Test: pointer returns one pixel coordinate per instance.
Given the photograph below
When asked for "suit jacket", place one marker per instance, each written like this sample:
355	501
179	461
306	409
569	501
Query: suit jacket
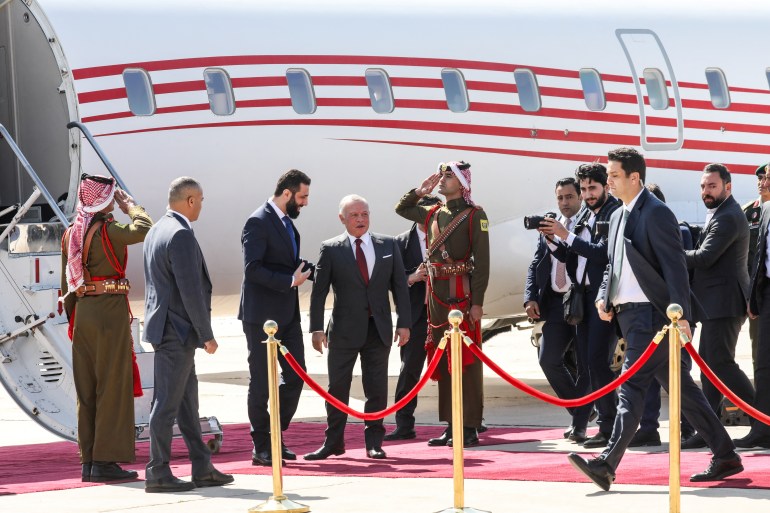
409	245
653	245
721	277
538	273
759	276
269	264
178	288
353	300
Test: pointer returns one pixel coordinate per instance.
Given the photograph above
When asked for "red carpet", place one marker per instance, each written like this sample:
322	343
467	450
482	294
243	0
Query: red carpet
54	466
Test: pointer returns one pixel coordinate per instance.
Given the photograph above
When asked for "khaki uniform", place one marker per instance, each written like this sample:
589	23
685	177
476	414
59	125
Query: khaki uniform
466	242
753	209
102	349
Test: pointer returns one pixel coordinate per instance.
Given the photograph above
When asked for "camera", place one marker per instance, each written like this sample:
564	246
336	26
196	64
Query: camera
533	222
602	228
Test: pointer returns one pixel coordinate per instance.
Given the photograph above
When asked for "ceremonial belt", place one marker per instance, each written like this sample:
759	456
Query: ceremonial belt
105	286
439	270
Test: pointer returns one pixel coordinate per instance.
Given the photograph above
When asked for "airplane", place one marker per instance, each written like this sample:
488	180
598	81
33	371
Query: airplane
365	98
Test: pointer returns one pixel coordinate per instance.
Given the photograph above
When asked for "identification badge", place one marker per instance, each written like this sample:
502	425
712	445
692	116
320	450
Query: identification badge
484	225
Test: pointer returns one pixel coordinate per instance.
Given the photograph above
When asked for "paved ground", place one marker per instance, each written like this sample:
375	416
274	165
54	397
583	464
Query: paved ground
223	378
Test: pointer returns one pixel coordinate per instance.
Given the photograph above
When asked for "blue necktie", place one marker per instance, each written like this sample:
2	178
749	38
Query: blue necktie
290	230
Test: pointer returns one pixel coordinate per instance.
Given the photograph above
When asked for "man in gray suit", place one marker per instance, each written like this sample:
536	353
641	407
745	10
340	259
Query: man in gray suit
361	267
177	320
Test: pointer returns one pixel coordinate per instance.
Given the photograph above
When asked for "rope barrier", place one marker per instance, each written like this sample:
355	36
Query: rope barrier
568	403
355	413
737	401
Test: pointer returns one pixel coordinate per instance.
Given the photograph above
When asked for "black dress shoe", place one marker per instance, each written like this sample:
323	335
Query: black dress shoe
483	427
261	458
719	469
597	470
323	453
167	485
578	436
442	440
287	453
376	453
400	433
212	478
470	438
596	441
752	440
696	441
85	473
645	439
101	472
568	431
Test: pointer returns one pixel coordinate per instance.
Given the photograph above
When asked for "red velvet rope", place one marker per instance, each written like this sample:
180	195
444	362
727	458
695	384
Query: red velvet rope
737	401
567	403
376	415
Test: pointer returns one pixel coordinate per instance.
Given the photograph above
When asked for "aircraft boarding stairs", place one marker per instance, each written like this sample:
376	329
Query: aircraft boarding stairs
35	350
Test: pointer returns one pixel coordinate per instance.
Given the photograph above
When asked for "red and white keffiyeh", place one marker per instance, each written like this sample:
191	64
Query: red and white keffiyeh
462	171
95	194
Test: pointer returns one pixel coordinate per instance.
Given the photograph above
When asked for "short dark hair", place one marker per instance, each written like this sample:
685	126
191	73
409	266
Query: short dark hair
291	180
568	181
655	189
596	172
630	160
724	173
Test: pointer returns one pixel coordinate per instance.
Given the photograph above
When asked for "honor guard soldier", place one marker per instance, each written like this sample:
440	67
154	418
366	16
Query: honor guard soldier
458	265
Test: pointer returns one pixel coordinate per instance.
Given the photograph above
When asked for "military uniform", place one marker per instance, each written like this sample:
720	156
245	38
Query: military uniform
102	347
753	209
469	241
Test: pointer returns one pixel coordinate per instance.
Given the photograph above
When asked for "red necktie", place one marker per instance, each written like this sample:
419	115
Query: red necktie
361	261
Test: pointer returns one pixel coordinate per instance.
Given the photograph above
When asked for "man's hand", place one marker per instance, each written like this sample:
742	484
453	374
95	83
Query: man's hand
299	276
684	325
428	184
532	309
475	315
124	201
550	226
319	341
210	346
605	316
751	314
421	274
401	336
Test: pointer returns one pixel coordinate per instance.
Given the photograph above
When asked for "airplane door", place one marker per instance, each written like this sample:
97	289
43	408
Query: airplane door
657	91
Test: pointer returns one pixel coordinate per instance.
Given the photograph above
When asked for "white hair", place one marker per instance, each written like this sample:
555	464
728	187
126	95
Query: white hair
352	198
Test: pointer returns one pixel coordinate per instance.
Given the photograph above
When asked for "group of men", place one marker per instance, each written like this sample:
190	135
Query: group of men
621	246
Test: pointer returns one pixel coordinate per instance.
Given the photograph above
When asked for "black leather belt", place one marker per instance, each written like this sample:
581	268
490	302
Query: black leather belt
628	306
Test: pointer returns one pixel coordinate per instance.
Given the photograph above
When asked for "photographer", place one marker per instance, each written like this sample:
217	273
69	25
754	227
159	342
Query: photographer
547	282
587	245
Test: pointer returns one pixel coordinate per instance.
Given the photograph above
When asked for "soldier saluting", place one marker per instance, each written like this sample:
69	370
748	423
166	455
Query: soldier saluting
458	266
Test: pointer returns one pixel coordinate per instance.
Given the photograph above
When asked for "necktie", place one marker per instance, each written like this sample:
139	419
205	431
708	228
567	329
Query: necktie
561	267
617	263
361	261
290	231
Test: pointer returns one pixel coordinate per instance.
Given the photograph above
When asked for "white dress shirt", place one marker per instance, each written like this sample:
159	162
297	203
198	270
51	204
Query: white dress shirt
367	247
555	261
423	243
585	234
629	290
189	224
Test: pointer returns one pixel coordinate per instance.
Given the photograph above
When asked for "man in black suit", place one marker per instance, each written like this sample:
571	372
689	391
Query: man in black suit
547	281
721	284
584	249
647	272
413	248
177	320
361	267
273	270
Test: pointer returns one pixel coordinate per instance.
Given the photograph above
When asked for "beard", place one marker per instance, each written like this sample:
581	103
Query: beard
712	202
292	209
600	201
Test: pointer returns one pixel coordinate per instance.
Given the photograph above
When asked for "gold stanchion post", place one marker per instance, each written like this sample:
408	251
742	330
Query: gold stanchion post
674	313
278	501
456	347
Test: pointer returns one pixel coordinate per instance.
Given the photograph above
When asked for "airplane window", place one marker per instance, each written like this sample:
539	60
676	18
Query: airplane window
593	89
455	91
529	92
380	93
720	93
656	88
141	99
220	91
767	74
301	91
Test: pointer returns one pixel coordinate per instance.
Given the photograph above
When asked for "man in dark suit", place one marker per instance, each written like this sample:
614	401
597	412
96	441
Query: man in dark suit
721	284
361	267
177	320
547	282
413	248
584	249
272	272
647	272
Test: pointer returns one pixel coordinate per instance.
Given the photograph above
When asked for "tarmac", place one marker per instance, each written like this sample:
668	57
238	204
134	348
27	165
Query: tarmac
223	381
